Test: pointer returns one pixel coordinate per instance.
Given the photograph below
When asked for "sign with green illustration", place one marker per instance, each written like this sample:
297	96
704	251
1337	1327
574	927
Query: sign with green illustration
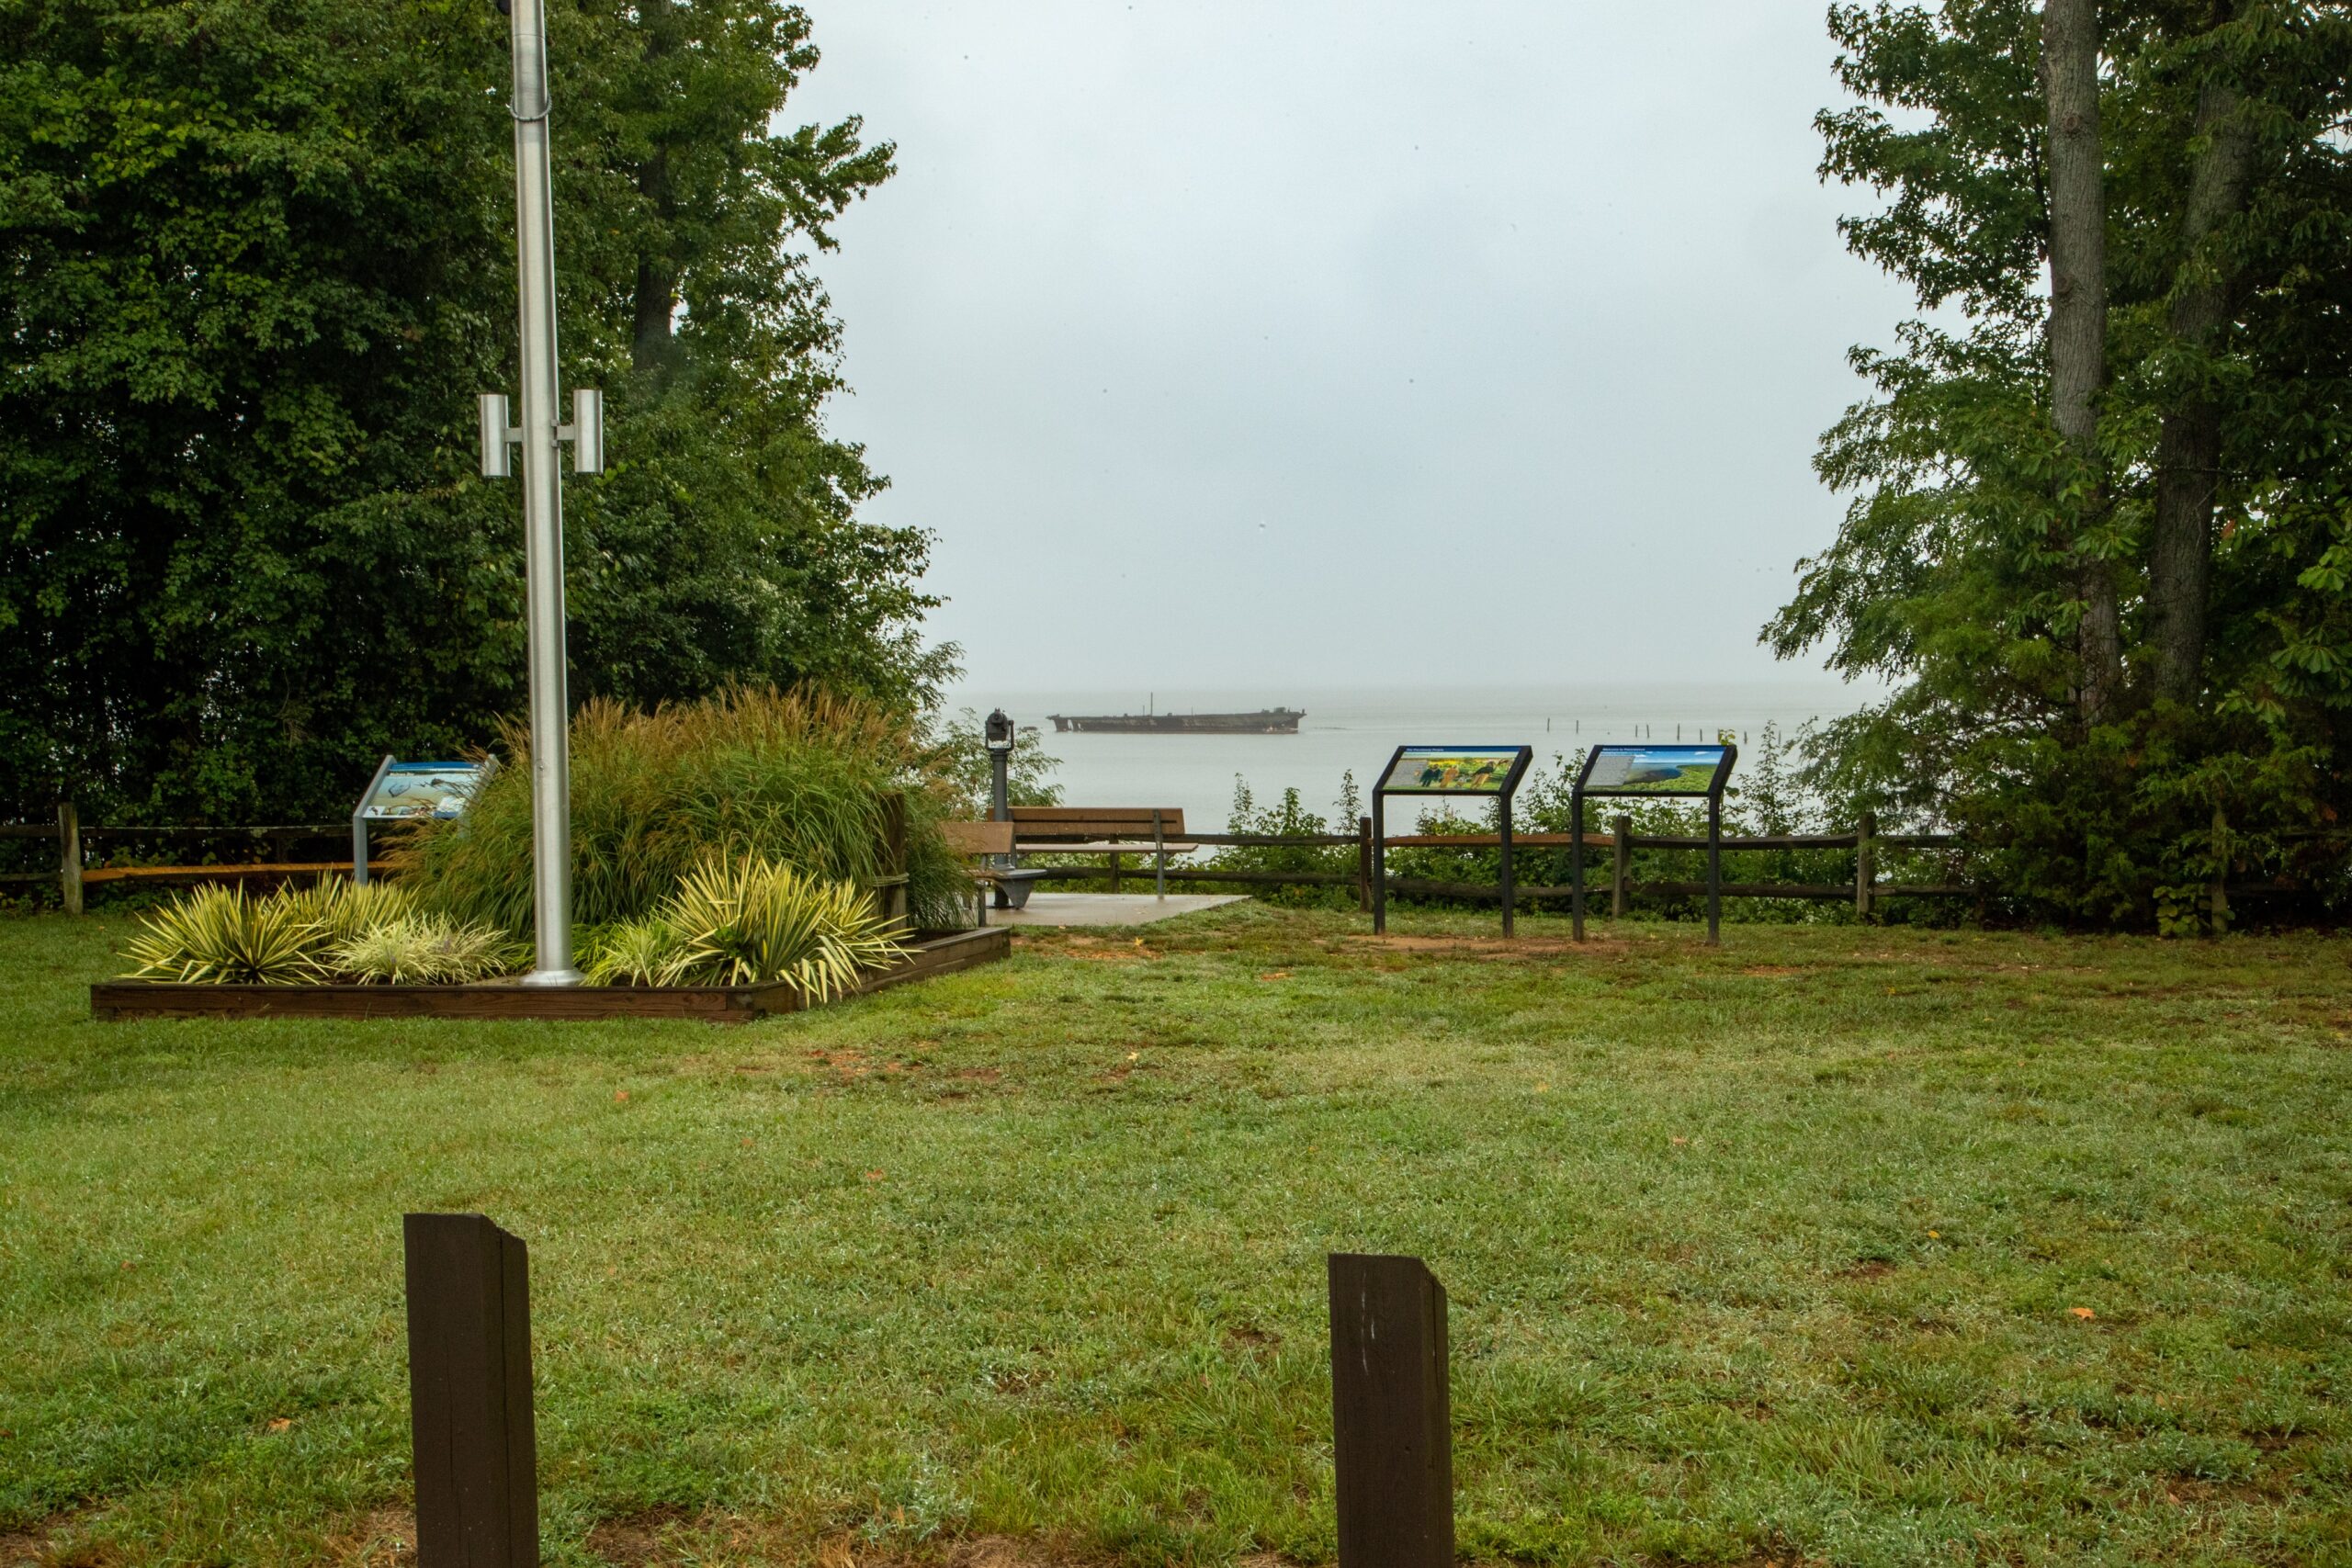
1453	770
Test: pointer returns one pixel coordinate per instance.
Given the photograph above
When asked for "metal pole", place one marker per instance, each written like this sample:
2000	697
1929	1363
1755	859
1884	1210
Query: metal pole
542	508
1379	866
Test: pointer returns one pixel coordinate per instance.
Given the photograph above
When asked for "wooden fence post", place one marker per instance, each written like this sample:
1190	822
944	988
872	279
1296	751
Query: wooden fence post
469	1394
1363	864
1865	863
69	856
1392	1443
2217	909
1620	863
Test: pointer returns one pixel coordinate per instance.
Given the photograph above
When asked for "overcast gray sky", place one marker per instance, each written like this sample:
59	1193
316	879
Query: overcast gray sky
1321	344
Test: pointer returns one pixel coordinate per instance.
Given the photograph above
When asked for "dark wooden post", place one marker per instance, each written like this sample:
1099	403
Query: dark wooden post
1621	850
890	899
2217	909
1363	863
469	1394
69	856
1865	862
1115	873
1392	1441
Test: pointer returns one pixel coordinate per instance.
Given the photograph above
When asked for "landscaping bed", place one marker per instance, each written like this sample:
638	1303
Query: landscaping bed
932	954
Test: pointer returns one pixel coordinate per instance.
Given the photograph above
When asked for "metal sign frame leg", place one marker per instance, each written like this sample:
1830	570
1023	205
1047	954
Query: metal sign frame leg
1379	867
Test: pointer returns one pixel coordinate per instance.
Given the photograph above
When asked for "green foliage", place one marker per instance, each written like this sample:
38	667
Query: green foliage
342	909
749	920
301	936
1289	817
218	936
1957	574
255	262
629	952
424	950
808	780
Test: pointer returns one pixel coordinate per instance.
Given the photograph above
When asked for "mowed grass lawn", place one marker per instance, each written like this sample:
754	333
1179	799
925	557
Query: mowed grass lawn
1839	1244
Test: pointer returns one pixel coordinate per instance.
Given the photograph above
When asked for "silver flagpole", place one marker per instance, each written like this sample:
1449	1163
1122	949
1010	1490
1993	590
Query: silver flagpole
542	507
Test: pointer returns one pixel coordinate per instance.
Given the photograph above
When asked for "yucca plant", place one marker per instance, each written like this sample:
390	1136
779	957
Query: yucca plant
218	936
424	950
749	920
630	952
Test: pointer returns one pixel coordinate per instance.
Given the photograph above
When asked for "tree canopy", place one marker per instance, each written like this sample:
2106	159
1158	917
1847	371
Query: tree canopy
2108	575
258	261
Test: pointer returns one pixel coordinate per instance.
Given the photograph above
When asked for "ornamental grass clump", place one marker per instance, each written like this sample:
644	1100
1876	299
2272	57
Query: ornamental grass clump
425	950
330	932
749	921
218	936
800	778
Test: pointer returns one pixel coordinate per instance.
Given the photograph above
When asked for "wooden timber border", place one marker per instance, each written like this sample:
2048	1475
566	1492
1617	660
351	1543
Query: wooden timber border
935	953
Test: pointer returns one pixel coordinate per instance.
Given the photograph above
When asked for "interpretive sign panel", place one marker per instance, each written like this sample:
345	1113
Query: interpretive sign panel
1489	771
1655	770
408	792
403	790
1454	770
1695	772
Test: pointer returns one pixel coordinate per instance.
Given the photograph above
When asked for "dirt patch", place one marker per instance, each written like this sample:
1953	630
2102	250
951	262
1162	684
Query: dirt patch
382	1538
1496	946
635	1539
1249	1339
39	1548
1773	971
1869	1269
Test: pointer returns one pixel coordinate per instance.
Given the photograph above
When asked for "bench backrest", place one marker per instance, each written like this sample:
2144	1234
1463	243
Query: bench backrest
1082	824
978	837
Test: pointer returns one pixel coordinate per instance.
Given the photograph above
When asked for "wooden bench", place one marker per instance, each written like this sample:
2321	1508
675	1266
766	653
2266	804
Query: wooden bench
987	841
1113	830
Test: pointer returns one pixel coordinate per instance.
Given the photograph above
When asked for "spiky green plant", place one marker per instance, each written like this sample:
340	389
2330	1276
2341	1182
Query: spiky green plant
343	910
218	936
748	920
801	777
423	949
630	952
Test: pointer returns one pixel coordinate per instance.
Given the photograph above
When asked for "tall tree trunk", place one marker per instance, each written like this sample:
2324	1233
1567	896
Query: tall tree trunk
2188	451
2078	310
657	276
657	283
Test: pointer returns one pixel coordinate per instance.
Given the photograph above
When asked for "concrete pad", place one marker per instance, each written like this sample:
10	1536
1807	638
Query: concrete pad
1107	909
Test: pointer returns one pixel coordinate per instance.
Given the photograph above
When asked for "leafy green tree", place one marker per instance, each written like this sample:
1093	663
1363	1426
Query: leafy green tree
255	261
2100	531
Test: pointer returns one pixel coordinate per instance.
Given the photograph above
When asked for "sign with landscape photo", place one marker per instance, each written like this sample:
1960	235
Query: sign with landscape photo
1653	770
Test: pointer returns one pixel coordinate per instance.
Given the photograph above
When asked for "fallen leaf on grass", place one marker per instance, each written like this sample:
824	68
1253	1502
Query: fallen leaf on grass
280	1424
1275	975
1679	1143
2083	1312
620	1096
873	1176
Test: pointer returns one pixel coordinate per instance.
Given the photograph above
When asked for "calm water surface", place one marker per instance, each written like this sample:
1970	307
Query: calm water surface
1356	730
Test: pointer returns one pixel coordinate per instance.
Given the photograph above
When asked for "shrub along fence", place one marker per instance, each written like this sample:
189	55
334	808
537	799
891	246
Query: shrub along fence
1863	868
1613	875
